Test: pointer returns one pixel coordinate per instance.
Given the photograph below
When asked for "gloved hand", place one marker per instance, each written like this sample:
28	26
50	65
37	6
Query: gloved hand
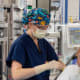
48	66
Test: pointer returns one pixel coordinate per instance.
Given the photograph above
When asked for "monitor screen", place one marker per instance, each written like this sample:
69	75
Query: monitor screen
73	35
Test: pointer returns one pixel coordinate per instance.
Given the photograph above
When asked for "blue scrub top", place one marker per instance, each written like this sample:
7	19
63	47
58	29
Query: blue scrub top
26	52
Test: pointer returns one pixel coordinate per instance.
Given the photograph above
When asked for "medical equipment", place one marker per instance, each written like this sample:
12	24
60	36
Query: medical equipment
73	35
52	35
3	48
55	4
1	14
20	3
69	33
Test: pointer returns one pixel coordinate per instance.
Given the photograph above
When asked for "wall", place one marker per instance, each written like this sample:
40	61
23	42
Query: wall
70	8
73	9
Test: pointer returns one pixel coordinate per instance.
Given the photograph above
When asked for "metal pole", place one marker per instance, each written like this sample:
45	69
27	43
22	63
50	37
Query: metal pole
54	21
9	23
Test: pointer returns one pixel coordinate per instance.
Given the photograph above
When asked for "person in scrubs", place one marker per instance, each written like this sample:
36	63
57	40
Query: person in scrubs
31	57
72	72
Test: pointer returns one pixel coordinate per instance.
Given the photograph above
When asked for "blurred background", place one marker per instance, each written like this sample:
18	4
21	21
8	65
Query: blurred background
65	21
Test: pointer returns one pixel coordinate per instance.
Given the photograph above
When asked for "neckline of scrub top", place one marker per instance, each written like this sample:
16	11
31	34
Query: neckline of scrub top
39	51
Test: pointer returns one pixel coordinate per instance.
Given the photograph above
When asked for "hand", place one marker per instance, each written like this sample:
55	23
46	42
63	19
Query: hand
55	65
48	66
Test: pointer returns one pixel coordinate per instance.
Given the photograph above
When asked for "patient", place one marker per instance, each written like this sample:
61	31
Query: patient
72	72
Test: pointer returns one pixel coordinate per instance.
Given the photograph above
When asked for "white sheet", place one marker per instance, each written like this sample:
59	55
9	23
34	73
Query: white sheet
71	72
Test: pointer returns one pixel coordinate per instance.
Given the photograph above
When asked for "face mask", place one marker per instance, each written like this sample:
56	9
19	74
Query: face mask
39	33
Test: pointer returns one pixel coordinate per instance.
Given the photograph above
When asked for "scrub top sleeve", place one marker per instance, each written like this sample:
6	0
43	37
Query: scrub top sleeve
19	54
9	58
51	54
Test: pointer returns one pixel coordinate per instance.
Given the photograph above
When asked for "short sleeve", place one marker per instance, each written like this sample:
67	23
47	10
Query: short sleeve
16	53
51	55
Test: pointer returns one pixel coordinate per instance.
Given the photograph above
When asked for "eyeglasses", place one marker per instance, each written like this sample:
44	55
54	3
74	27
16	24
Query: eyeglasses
43	27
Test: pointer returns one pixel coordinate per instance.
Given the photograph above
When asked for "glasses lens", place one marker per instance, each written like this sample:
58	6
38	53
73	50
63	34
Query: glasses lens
44	27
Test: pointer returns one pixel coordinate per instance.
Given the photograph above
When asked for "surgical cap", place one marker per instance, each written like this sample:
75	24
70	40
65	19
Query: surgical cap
37	16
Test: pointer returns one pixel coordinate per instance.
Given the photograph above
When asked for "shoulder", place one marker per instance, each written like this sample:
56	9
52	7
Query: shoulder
45	41
20	40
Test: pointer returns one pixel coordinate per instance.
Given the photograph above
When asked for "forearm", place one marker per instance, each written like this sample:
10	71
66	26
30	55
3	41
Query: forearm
23	73
19	73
